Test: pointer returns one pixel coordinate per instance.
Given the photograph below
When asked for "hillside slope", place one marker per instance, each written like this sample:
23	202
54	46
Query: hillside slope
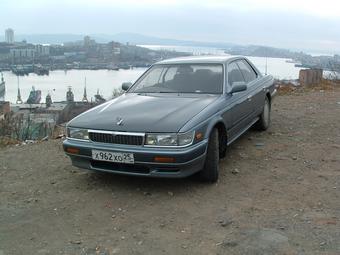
278	193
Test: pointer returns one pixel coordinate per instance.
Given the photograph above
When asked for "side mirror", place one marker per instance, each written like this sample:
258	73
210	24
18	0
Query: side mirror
238	87
126	85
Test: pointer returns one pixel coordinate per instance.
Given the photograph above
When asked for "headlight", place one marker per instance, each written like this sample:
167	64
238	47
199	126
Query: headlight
78	133
181	139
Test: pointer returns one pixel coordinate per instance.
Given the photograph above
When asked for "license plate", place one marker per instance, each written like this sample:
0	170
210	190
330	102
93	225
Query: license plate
113	156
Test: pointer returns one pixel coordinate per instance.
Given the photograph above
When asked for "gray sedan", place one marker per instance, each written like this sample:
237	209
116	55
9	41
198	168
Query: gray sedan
177	119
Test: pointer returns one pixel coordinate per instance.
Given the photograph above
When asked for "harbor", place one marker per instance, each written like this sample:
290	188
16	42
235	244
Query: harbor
32	120
57	83
107	81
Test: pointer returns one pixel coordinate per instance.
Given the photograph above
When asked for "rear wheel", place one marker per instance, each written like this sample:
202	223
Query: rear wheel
210	170
264	121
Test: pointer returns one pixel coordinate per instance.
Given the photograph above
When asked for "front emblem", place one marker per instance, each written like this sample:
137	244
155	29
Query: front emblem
119	121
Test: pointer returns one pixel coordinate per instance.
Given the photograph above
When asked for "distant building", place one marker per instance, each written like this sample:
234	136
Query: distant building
310	76
22	53
88	41
42	50
116	51
9	36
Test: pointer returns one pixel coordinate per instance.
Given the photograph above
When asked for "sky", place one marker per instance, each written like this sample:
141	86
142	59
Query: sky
294	24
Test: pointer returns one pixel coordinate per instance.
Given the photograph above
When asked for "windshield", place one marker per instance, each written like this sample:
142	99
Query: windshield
181	78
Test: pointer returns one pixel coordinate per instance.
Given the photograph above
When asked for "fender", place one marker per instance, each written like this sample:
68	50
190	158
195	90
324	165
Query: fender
212	123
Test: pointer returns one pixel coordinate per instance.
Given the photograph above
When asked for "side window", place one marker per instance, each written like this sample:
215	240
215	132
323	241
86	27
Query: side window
152	79
248	72
234	74
170	74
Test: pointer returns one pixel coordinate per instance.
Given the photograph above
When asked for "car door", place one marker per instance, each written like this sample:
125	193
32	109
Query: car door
239	105
255	87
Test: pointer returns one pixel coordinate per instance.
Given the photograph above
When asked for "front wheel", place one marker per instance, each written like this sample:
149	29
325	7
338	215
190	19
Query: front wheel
264	121
210	171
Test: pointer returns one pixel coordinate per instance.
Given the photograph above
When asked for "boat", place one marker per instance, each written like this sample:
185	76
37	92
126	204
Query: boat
69	95
2	88
34	97
99	98
292	61
41	70
21	70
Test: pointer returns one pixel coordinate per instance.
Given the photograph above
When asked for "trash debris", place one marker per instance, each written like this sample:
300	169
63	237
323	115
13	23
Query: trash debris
230	243
29	142
45	138
225	222
259	144
31	199
235	171
75	241
60	136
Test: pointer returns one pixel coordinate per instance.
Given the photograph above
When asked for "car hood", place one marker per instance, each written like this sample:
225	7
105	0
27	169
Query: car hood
144	112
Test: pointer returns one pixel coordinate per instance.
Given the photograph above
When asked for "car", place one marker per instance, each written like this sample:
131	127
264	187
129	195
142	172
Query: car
176	120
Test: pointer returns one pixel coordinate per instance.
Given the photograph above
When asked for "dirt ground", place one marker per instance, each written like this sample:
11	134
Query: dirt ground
278	193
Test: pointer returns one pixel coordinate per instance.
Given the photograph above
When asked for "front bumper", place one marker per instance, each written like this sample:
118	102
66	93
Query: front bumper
187	161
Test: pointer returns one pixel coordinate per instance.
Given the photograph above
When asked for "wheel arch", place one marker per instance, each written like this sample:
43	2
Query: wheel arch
222	134
269	96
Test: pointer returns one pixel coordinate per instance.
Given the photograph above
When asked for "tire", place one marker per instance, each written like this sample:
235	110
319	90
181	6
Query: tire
263	123
223	145
210	171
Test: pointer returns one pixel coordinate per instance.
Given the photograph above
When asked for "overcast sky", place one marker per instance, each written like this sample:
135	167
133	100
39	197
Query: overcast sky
295	24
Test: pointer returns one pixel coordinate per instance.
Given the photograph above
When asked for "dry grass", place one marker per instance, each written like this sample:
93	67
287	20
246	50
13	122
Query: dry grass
5	141
325	85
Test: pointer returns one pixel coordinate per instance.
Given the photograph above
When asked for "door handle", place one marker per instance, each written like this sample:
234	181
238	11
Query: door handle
249	97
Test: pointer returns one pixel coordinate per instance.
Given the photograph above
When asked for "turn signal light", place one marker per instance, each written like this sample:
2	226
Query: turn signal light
164	160
72	150
199	136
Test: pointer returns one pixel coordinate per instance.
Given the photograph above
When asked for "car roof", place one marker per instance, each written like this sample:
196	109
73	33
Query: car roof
200	59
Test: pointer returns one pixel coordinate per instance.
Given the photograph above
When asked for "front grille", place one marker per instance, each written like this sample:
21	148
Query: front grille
116	138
